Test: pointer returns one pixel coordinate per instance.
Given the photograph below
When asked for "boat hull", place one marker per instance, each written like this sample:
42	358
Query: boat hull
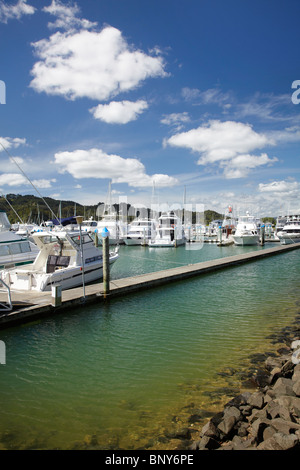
69	278
135	241
245	240
288	240
166	243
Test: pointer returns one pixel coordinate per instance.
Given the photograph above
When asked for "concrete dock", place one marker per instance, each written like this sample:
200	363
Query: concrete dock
29	306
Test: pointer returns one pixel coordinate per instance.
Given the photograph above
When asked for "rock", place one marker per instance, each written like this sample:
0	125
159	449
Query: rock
232	411
283	386
296	388
284	426
296	374
279	441
208	443
274	375
210	430
258	427
256	400
287	369
268	418
277	410
226	426
272	362
292	404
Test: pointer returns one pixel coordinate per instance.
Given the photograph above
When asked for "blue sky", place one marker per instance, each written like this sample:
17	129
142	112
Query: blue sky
191	96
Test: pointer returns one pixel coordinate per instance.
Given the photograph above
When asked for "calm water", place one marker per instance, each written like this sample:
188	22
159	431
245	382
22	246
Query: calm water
125	374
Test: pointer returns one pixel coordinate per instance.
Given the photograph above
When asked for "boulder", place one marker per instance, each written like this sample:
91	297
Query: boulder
283	386
256	400
279	441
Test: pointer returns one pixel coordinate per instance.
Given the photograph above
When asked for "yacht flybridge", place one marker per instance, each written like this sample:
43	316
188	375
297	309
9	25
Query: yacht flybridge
63	259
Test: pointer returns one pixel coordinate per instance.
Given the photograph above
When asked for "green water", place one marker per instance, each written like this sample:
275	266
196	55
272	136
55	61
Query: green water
129	373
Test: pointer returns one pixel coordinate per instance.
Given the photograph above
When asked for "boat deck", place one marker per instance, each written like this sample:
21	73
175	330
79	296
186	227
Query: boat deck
29	306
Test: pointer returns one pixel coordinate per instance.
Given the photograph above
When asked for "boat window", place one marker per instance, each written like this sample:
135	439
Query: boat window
4	250
57	261
95	258
25	247
48	239
15	248
85	238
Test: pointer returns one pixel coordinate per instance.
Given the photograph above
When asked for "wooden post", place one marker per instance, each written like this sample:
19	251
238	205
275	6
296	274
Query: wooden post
262	235
96	237
56	295
105	253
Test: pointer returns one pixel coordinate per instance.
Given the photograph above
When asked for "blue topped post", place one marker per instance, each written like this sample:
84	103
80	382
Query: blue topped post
105	244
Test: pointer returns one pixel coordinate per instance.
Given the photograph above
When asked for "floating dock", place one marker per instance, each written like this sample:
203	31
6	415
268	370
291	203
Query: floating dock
29	306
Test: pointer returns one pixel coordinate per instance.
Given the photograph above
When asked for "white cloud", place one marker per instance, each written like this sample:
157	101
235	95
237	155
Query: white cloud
175	119
11	142
66	16
225	143
239	166
279	187
16	11
96	65
95	163
120	112
12	179
17	179
210	96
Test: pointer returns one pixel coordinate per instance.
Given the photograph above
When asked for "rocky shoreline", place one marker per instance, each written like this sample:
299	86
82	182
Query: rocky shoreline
268	418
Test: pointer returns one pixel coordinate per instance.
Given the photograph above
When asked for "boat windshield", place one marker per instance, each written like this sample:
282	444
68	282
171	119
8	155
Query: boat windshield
85	238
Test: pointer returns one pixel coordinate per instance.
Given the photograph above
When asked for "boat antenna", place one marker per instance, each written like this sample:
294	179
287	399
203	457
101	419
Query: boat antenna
24	174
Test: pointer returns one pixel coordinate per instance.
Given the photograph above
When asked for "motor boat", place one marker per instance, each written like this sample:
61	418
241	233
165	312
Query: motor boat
139	232
246	231
65	259
290	233
169	231
15	250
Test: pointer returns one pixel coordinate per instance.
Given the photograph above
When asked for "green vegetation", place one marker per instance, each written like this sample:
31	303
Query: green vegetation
33	209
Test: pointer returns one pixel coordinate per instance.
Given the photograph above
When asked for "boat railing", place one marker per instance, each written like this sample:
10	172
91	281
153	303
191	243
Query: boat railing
5	307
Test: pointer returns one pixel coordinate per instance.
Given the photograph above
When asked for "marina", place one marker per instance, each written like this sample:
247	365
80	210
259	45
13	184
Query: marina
133	371
29	303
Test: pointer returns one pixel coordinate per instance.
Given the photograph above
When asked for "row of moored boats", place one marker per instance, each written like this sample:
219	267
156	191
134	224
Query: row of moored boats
64	254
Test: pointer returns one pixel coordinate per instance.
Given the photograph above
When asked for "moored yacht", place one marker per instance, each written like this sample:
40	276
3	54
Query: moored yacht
290	233
169	231
15	250
139	232
246	231
65	259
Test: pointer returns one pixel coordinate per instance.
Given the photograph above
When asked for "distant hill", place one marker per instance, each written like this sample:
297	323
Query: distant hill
33	209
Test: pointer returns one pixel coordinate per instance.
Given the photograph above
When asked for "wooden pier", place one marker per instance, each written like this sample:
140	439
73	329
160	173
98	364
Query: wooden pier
29	306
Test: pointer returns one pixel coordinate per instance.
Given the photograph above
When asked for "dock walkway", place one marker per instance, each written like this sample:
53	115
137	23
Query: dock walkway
29	306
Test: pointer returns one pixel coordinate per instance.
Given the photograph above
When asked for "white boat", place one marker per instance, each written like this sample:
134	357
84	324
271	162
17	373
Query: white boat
89	226
290	233
14	249
139	232
115	228
246	231
169	231
59	262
